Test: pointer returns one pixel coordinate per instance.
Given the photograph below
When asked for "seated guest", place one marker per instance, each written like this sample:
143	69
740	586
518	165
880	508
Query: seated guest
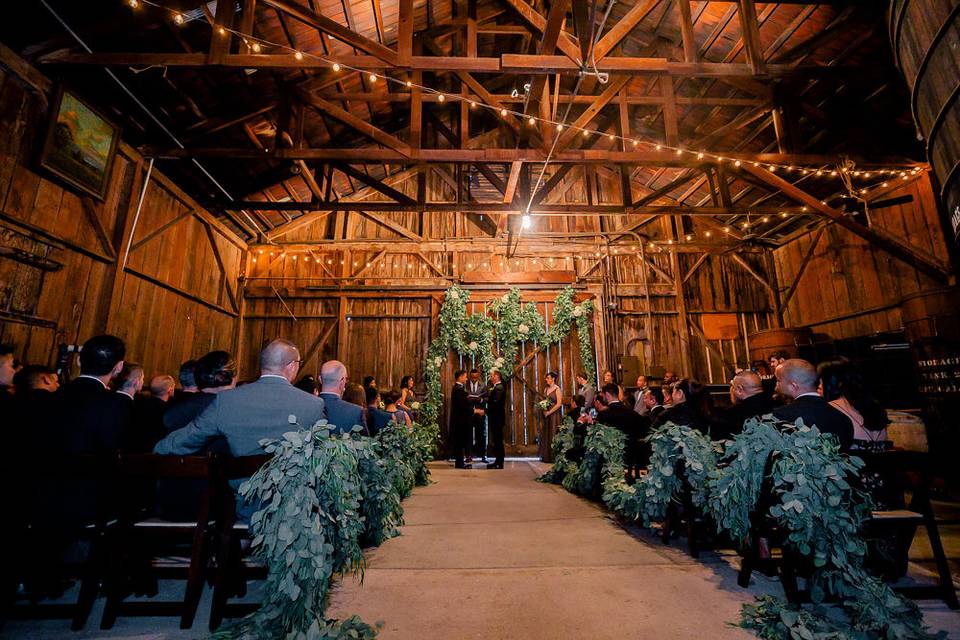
841	384
797	381
391	398
341	414
188	381
377	418
35	401
309	384
688	406
213	373
129	382
748	399
92	419
369	381
577	406
148	413
653	399
625	420
253	412
7	371
669	378
355	394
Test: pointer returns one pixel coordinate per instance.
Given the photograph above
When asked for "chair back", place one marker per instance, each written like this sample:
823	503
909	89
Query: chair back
242	467
151	465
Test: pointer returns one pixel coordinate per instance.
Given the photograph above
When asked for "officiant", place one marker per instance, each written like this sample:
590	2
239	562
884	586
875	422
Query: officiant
477	393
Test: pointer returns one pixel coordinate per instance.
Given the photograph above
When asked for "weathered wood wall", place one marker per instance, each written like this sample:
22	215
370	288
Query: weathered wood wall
848	287
176	297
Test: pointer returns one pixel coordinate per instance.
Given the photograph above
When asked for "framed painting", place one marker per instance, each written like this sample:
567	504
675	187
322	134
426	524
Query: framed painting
80	144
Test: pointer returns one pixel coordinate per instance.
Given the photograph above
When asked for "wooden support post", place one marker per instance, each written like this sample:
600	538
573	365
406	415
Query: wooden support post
669	111
686	31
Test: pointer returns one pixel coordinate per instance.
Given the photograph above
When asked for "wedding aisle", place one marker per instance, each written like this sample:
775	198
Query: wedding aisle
493	554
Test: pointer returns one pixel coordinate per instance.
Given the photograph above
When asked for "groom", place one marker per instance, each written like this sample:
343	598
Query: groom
462	412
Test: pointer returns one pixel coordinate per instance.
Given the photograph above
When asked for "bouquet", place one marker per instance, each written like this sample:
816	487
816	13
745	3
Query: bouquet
545	404
415	405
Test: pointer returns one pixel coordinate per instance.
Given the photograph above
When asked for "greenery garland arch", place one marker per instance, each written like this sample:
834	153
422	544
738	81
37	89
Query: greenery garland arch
510	323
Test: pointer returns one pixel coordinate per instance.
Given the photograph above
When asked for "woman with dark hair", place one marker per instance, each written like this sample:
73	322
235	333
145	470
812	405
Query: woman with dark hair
550	406
408	397
609	379
841	384
690	406
369	381
309	384
390	399
354	394
212	373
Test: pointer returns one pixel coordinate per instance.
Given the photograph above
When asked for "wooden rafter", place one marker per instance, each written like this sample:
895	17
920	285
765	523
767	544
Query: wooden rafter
622	29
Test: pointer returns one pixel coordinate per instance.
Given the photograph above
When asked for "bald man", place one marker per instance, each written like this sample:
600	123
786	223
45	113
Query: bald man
797	382
256	411
343	415
748	400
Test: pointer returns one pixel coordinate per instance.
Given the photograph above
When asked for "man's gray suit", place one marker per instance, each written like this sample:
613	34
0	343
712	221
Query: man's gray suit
341	413
245	416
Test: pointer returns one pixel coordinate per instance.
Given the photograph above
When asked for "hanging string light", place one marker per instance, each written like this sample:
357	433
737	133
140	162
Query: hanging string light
258	44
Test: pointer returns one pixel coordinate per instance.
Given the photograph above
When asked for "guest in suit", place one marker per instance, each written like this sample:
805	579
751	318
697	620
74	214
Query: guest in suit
477	393
748	400
496	417
689	407
7	371
586	389
624	419
128	385
797	381
377	418
653	399
34	403
252	412
638	404
91	418
188	380
148	412
214	372
462	411
340	413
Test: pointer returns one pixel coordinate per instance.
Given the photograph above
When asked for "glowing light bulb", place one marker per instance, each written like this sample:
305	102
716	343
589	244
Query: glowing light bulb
737	163
765	219
525	223
700	156
658	147
298	55
532	121
559	127
221	30
611	136
503	113
708	234
133	3
441	97
679	151
178	19
256	47
373	77
409	84
336	67
585	133
634	142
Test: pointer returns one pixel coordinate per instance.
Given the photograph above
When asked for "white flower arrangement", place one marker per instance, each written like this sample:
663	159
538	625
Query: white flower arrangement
505	297
473	346
577	311
453	294
545	404
523	329
437	361
415	406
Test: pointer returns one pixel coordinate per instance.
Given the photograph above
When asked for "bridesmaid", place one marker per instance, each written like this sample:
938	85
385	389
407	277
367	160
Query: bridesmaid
551	417
407	396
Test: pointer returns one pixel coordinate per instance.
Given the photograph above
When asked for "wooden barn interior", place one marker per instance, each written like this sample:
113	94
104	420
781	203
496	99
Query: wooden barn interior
722	178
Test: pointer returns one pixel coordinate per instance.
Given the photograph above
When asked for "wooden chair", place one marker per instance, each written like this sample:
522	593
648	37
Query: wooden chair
157	542
232	569
38	540
910	470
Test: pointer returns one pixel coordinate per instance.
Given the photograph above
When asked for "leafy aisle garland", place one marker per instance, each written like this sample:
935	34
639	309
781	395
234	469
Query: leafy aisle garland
322	498
816	503
510	324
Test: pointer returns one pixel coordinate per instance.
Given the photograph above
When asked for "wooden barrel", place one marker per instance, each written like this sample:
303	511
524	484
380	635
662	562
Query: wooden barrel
932	314
764	344
931	321
925	35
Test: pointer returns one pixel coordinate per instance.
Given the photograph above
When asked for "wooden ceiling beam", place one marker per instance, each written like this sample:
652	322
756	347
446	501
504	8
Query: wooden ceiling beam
334	28
610	91
374	184
539	208
639	157
538	25
622	29
359	124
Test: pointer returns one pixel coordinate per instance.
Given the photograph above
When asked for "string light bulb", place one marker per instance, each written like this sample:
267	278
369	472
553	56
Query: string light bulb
256	47
221	30
373	77
532	121
441	97
178	19
336	67
737	163
298	55
559	126
409	84
133	3
503	113
525	223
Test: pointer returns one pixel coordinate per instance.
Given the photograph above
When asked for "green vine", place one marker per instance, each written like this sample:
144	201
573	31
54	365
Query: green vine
816	504
562	444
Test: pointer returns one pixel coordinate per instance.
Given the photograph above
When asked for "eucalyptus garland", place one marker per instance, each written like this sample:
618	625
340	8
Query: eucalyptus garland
602	460
481	336
648	499
817	505
563	442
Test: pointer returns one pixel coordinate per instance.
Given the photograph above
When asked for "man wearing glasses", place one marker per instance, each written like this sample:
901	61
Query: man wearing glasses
248	414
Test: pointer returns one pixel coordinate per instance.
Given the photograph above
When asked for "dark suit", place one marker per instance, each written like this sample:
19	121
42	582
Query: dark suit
815	411
496	418
730	421
147	429
461	410
377	419
185	407
634	426
478	398
344	415
654	413
682	415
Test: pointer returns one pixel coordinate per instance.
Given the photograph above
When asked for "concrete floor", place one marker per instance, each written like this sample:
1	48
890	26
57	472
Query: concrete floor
494	554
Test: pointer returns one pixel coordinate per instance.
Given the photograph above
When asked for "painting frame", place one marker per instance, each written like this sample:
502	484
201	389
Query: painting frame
85	165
